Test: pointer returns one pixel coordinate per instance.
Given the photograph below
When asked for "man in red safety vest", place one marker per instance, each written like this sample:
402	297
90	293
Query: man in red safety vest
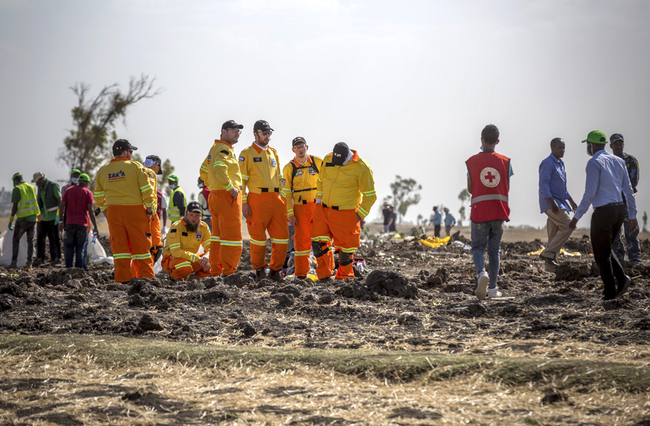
488	180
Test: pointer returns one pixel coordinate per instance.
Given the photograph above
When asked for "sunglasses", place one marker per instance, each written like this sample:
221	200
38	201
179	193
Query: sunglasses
266	133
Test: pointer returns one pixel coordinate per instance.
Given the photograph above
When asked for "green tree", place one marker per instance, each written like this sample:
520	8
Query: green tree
404	195
88	144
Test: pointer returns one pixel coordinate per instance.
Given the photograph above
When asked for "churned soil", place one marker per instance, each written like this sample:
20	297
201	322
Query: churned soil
413	298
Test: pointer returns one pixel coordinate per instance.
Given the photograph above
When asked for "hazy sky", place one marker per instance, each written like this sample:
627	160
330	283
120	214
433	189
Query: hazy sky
408	84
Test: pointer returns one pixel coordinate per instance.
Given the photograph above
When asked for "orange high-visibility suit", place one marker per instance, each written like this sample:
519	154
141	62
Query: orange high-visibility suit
346	191
220	171
299	185
180	255
260	170
124	193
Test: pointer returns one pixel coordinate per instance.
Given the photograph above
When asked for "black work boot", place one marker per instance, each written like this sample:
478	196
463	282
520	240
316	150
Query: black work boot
275	276
260	274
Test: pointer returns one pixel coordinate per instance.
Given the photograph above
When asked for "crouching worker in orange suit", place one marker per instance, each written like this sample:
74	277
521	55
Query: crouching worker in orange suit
180	255
345	193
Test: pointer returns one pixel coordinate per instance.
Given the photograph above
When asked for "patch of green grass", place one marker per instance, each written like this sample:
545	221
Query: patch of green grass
112	351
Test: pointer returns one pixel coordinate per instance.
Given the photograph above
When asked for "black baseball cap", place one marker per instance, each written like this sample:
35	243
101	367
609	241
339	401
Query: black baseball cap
194	206
231	124
340	153
298	140
262	125
152	160
122	145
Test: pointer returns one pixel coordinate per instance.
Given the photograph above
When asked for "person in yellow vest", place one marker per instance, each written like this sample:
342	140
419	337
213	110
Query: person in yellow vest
124	194
262	204
186	236
177	201
48	196
220	171
300	184
345	194
25	210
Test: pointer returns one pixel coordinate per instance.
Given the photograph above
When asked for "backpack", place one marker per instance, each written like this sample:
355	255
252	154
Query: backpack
295	170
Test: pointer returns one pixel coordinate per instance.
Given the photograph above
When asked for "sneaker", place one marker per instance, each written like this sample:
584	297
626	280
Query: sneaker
481	289
493	292
549	260
623	288
325	281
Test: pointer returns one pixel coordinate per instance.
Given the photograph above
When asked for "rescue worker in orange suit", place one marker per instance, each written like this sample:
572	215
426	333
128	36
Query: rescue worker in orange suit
125	195
299	184
264	206
220	171
153	166
186	236
345	194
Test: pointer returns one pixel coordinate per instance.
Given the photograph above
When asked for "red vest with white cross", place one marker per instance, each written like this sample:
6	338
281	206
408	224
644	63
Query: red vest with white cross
489	174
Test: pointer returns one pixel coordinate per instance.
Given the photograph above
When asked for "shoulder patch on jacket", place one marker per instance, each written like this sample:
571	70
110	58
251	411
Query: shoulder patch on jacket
241	158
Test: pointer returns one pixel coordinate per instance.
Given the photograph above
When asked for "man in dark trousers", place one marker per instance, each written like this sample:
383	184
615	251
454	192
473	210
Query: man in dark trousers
607	183
617	143
48	197
76	210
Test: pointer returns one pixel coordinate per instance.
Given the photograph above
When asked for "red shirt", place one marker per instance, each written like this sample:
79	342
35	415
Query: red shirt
76	200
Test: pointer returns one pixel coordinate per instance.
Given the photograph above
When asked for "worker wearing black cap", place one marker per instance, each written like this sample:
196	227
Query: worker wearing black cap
345	193
125	195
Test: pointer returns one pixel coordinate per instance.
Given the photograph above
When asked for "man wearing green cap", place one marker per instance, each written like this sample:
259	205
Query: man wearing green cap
177	202
607	183
25	209
76	210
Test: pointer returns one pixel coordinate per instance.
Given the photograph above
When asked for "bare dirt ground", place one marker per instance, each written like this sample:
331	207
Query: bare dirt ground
417	301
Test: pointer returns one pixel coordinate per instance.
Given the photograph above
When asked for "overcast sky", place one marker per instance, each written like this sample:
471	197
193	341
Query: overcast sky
408	84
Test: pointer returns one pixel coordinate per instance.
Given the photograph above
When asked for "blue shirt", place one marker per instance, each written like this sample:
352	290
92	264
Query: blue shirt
607	182
437	218
449	220
552	183
632	169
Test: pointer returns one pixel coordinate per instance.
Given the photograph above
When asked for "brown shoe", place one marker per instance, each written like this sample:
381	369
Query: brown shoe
260	274
275	276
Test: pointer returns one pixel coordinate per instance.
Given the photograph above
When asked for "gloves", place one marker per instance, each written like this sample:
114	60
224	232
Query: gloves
11	226
318	200
56	220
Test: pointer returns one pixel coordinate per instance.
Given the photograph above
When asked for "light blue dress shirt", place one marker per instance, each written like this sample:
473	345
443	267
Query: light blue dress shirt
552	183
607	182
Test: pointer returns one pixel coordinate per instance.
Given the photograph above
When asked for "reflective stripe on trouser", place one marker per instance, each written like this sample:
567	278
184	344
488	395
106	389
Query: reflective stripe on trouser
226	239
268	212
302	237
128	226
180	269
343	227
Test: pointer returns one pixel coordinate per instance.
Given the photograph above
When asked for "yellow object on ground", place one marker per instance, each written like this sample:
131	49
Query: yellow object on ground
435	241
562	251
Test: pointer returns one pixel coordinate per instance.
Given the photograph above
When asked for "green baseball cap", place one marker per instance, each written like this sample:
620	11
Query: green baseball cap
596	136
173	178
15	176
84	177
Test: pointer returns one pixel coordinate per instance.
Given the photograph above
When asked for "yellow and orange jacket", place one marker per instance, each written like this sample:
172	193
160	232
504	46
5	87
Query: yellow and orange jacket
125	183
182	244
153	181
349	187
260	168
300	188
220	169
